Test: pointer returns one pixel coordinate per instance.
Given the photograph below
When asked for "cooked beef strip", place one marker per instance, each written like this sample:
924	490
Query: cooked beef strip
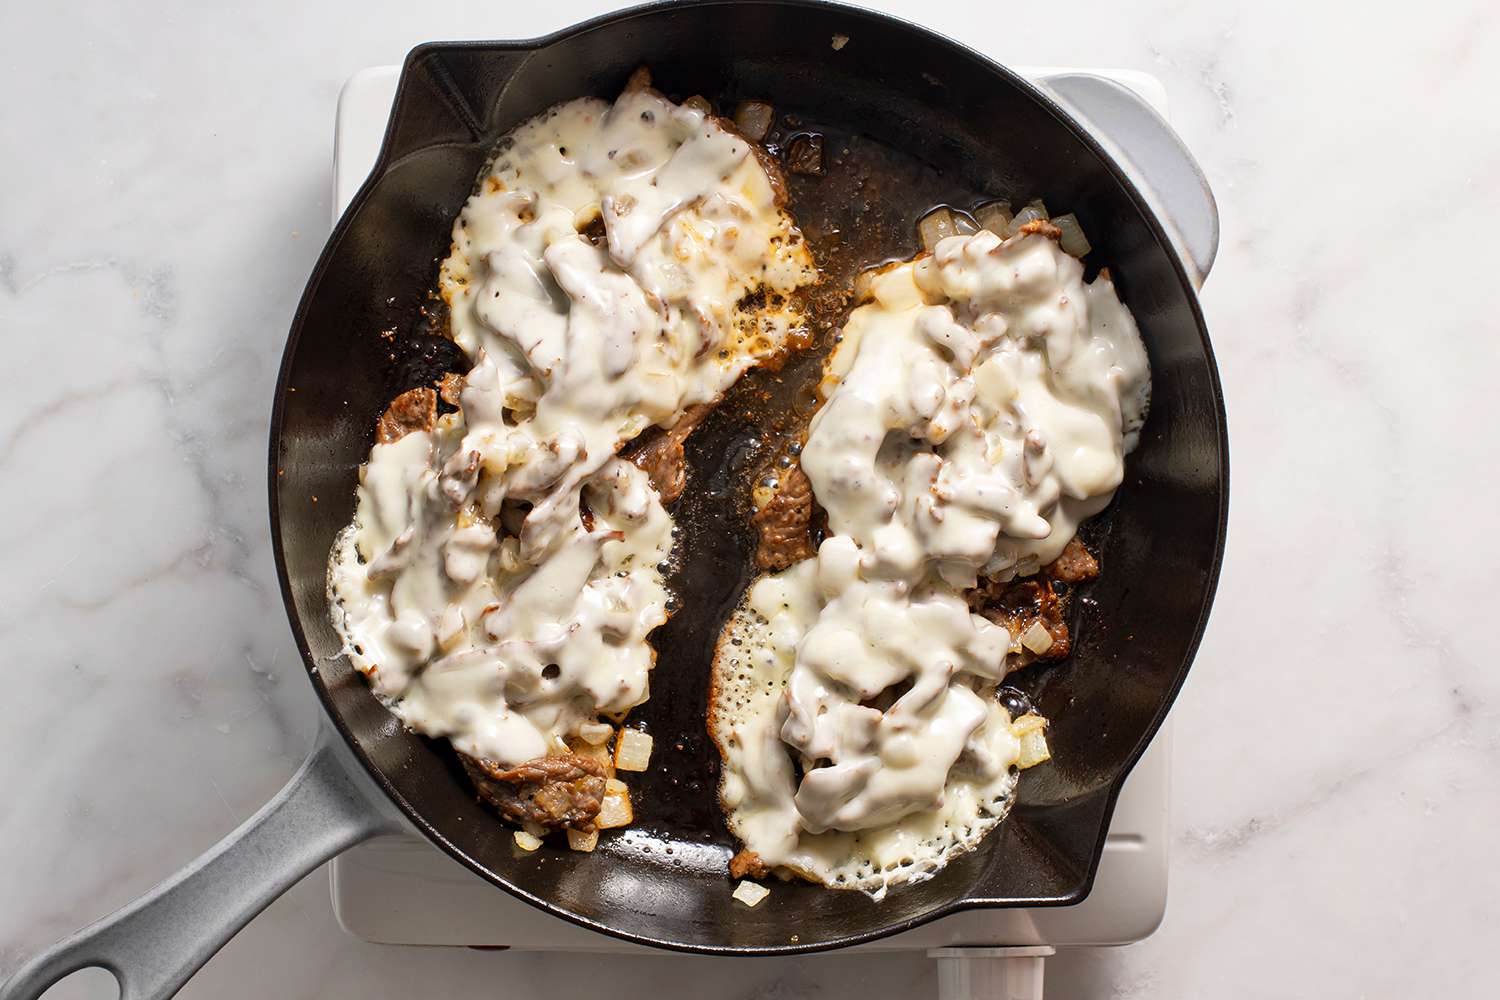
784	522
640	79
559	792
661	457
747	864
1041	226
413	410
1016	604
1075	565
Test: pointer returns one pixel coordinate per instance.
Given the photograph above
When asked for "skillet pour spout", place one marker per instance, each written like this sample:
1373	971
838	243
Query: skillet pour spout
966	124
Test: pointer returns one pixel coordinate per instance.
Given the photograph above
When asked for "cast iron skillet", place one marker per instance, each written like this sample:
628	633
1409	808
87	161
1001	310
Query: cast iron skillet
969	126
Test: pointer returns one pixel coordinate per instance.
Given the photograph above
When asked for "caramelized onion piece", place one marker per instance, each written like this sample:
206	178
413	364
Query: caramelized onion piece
753	119
805	155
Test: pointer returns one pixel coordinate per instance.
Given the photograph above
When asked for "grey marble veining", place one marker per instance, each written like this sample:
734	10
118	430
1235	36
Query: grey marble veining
1335	799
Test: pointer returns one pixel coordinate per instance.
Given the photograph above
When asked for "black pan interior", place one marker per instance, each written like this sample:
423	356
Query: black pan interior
914	121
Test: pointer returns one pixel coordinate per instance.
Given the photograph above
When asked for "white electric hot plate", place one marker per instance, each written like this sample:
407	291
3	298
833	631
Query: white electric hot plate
403	890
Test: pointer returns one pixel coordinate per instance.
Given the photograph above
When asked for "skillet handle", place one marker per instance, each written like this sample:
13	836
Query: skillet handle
153	944
1156	159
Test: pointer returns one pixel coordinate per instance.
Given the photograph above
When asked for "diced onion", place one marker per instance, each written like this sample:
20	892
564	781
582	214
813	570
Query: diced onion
1037	638
753	119
864	285
614	810
595	733
584	842
994	216
526	841
632	750
1034	750
1072	239
963	224
1028	723
1031	213
1031	730
751	893
450	627
510	556
599	752
935	226
615	785
994	380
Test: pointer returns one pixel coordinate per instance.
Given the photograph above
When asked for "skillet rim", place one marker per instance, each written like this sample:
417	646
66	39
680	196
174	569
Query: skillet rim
385	161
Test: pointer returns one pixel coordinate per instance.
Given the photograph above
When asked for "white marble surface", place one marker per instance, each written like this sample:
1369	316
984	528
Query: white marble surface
1336	793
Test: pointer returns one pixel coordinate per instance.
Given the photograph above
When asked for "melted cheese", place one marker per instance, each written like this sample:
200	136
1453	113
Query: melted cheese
471	589
976	411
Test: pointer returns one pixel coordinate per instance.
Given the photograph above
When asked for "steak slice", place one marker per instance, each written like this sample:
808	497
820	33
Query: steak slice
1017	605
559	792
662	458
747	864
1075	565
450	386
413	410
785	521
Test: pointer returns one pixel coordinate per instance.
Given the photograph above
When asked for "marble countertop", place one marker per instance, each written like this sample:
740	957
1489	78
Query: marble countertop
1335	793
